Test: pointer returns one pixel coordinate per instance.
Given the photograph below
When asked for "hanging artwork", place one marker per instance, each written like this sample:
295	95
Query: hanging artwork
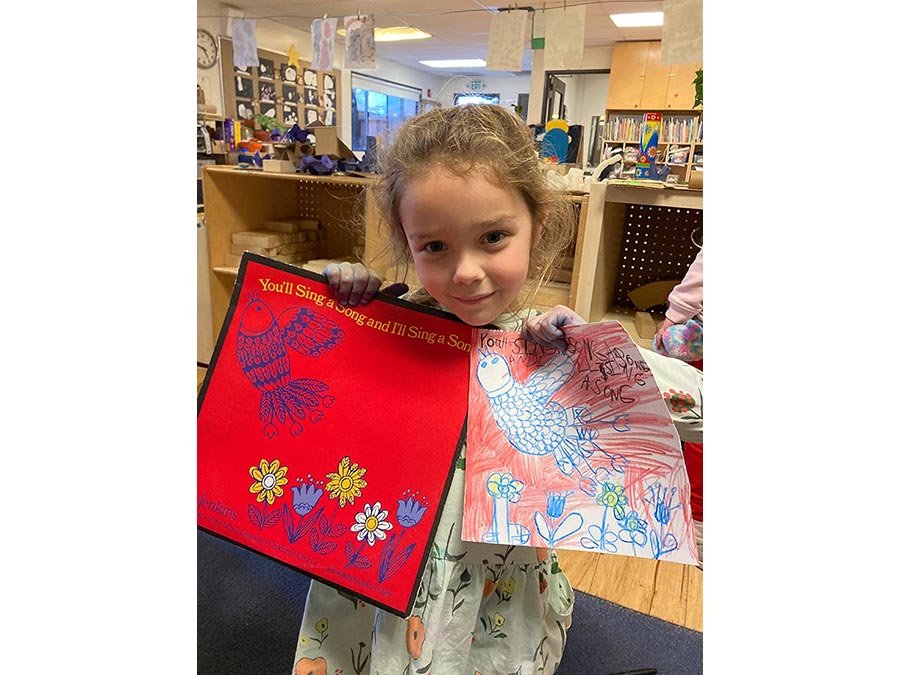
506	40
564	38
574	449
323	32
303	453
283	96
682	32
266	69
311	117
266	91
359	42
243	32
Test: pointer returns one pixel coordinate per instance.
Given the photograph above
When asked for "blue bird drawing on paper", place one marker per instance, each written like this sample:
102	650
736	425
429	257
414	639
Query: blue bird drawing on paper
262	343
535	425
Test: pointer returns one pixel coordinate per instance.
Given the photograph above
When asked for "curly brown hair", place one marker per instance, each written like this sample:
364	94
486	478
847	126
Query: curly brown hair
492	142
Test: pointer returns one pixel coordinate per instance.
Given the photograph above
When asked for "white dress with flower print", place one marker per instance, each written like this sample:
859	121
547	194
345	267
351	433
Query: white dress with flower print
481	608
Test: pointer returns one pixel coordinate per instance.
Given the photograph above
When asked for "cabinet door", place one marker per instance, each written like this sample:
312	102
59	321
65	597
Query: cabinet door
680	92
626	75
656	79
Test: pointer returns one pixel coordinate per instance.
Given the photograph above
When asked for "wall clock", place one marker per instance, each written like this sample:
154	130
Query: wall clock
207	49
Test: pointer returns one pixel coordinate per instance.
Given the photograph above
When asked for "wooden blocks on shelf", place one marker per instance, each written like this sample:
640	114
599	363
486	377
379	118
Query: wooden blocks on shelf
292	241
645	325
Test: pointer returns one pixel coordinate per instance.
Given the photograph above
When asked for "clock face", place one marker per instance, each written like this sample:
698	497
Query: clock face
207	49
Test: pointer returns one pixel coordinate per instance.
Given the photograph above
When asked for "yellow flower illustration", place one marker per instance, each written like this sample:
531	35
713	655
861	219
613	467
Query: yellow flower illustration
321	625
347	483
304	641
507	587
499	619
269	479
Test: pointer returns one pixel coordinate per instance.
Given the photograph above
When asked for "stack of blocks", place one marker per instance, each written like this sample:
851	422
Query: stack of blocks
291	241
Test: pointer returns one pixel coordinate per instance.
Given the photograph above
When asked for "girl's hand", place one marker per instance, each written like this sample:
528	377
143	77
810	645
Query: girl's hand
663	327
545	329
352	283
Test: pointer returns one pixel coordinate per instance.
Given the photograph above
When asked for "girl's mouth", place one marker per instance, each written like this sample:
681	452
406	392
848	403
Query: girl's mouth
474	299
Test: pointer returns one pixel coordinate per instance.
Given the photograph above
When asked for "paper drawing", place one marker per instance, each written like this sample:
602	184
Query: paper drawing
506	40
573	449
564	38
243	33
359	41
323	32
311	446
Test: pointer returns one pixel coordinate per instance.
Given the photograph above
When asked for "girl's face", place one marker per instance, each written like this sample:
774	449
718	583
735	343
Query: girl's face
470	242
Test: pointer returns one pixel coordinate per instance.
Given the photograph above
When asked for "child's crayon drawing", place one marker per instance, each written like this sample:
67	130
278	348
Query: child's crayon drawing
573	449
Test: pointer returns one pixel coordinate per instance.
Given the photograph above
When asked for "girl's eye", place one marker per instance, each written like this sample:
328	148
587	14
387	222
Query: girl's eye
494	237
434	246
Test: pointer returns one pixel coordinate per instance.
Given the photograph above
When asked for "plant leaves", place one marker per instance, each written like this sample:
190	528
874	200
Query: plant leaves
314	539
272	519
326	547
398	560
362	562
574	520
542	527
338	530
255	515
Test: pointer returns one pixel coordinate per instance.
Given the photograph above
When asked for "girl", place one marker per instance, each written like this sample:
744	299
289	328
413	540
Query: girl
464	196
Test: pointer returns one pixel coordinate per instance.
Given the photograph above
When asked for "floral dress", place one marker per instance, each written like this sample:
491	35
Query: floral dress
481	609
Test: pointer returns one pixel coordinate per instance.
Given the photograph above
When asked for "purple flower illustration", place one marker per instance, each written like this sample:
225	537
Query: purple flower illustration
409	512
305	497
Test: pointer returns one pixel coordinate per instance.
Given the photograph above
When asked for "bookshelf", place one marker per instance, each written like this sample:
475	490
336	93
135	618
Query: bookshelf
680	145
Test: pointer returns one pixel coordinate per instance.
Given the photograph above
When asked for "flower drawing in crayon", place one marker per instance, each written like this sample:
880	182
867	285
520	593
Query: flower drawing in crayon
553	532
634	530
505	490
661	499
613	496
268	481
262	343
536	425
370	525
305	497
409	514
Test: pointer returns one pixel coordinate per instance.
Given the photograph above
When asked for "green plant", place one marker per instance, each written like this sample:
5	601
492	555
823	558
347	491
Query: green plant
266	123
698	88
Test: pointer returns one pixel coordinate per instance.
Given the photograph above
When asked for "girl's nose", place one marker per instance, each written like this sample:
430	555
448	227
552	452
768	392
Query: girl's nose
468	270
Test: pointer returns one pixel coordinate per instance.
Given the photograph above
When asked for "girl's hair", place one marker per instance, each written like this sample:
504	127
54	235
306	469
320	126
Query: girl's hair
495	143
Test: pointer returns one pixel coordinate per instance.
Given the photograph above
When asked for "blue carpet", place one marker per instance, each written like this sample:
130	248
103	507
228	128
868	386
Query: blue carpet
249	609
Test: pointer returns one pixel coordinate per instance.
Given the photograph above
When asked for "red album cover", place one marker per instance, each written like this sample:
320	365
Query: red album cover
326	434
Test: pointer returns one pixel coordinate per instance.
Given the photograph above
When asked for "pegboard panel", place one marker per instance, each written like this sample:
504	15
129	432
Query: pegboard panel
339	207
656	246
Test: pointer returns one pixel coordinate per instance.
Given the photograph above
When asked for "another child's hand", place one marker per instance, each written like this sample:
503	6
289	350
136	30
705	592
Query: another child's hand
352	283
663	327
546	329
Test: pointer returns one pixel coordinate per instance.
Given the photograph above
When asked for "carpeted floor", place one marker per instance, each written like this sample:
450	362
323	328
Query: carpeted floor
249	609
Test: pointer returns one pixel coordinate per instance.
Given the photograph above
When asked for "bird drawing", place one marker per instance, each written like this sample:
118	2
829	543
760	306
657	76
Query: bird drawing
535	425
262	343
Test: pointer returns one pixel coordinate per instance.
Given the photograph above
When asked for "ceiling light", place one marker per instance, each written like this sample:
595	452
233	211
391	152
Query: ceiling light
394	33
456	63
637	20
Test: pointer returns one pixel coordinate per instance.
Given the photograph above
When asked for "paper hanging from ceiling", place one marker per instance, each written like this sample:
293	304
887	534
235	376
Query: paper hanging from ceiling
506	40
538	26
564	38
323	31
243	33
682	32
359	42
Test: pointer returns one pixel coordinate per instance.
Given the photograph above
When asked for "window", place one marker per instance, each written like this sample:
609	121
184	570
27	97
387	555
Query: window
463	99
379	108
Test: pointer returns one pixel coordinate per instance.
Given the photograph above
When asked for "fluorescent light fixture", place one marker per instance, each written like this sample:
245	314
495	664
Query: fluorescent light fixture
638	19
455	63
394	33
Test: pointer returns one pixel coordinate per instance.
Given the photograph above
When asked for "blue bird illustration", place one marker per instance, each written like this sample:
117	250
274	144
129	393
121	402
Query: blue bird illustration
262	344
535	425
